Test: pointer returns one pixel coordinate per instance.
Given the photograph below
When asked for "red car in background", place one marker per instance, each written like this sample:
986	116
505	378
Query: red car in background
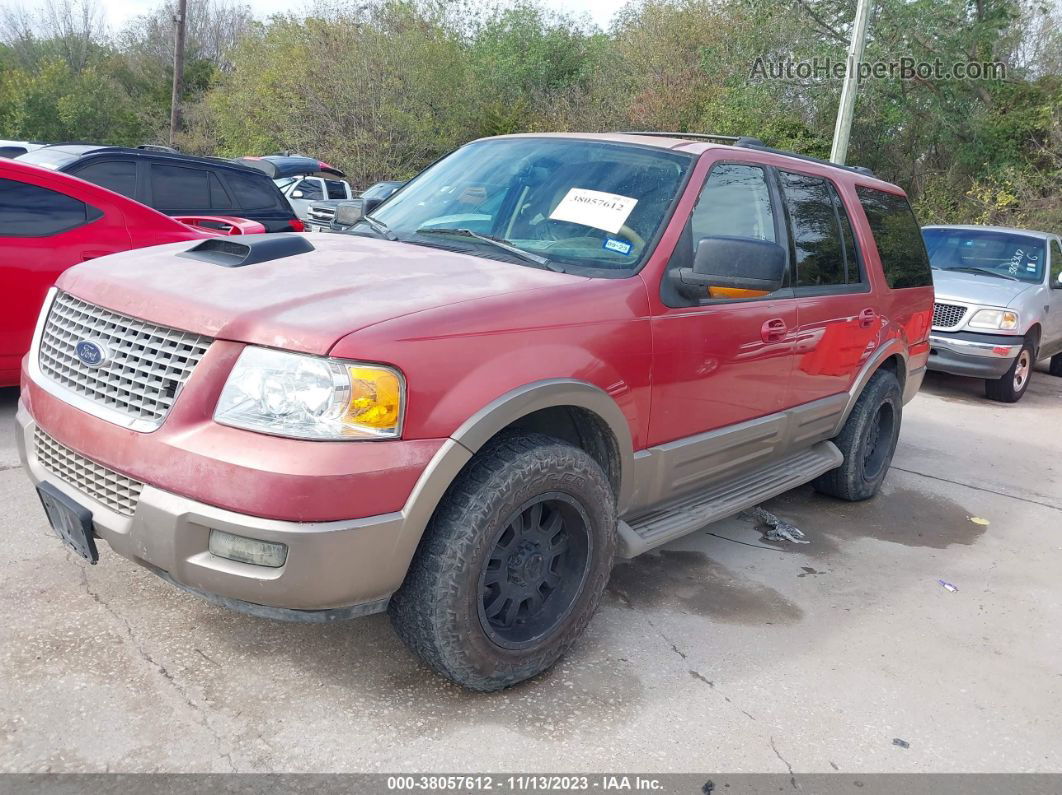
50	221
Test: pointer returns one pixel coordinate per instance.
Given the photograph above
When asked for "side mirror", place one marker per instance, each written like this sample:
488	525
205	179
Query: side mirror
1057	283
349	213
297	194
733	263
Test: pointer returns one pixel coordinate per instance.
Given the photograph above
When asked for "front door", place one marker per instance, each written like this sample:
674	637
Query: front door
718	362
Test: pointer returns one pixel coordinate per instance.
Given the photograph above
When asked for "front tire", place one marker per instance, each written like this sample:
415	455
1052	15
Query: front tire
1012	385
513	564
1056	365
867	441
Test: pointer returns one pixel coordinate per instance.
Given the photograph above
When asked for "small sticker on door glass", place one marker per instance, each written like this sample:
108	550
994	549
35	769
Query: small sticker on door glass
607	211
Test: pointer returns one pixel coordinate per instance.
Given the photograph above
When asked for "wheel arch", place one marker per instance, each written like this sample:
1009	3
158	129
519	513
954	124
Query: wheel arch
596	420
891	356
572	410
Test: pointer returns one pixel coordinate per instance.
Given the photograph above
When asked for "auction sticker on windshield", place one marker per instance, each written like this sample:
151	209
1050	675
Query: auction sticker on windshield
606	211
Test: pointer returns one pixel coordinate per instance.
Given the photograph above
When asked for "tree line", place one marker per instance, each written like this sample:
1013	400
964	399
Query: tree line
381	88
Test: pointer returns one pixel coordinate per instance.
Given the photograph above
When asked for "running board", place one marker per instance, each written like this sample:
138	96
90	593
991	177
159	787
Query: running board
726	498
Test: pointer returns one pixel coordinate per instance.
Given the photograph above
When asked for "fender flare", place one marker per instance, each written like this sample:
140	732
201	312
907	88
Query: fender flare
501	412
873	364
478	429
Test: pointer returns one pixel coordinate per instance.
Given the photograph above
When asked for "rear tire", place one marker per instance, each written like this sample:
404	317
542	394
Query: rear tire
1056	365
1011	387
513	563
867	441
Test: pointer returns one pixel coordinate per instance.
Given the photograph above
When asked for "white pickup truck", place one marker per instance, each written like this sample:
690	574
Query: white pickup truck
303	180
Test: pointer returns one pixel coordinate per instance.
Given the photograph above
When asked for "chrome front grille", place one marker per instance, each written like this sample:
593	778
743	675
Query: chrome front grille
325	214
146	367
948	315
116	491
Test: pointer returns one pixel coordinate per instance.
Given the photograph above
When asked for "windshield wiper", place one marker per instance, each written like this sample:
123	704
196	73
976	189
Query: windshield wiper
986	271
516	252
380	227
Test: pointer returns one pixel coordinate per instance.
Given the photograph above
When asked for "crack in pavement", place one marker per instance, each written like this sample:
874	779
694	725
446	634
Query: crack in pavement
6	467
201	717
792	778
979	488
626	600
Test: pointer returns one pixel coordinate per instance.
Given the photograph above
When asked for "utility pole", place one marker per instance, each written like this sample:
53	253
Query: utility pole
843	128
178	68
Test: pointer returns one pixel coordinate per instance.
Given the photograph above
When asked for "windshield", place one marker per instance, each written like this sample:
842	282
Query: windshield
1006	255
584	204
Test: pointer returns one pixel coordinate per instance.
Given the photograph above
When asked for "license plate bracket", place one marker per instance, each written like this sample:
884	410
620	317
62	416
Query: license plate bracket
71	522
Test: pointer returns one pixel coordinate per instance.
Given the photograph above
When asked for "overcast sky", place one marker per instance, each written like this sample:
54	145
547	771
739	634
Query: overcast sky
120	11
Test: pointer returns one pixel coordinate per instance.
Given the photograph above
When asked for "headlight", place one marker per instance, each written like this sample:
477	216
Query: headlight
994	318
310	397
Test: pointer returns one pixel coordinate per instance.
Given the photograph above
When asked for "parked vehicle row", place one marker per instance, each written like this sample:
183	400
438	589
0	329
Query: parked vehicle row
50	221
542	352
173	183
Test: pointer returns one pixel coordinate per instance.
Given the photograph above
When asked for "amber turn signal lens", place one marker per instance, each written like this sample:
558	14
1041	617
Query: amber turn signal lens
375	397
734	292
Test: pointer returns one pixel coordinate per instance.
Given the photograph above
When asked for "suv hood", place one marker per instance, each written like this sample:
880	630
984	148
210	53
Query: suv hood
972	288
305	302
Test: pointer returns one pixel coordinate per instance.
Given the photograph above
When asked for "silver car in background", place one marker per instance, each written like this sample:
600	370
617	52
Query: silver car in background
998	304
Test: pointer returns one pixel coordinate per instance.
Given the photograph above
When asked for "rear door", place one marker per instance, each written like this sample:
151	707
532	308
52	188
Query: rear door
42	233
837	319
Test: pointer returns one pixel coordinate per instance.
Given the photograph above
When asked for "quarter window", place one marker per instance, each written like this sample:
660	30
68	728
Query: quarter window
1056	261
900	245
32	211
253	193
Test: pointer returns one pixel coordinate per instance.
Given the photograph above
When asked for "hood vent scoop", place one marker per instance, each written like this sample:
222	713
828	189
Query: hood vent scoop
248	250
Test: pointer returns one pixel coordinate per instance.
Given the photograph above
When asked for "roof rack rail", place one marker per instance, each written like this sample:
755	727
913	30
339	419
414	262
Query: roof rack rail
760	146
748	142
736	140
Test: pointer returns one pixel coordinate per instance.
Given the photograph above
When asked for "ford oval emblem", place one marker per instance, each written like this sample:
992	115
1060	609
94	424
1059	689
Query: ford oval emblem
92	353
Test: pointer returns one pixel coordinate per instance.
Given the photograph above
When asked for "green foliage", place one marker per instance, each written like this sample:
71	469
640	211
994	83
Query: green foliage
383	87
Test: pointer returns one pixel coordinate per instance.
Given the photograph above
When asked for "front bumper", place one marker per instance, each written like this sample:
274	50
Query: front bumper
974	355
334	569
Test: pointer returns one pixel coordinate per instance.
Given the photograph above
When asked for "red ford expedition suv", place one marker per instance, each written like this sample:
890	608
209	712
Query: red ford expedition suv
545	351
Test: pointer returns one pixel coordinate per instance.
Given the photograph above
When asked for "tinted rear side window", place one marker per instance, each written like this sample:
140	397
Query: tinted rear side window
899	239
253	193
816	230
179	188
116	175
32	211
